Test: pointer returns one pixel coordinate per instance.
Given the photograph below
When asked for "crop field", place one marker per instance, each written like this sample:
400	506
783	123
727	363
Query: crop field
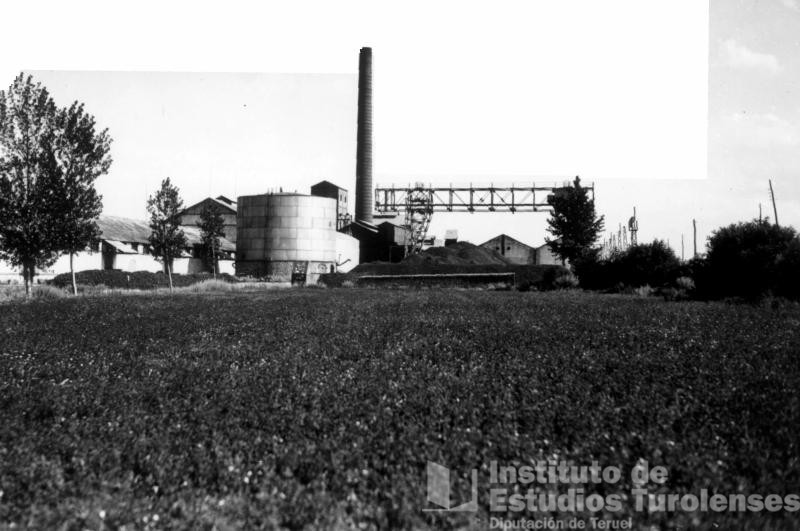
317	409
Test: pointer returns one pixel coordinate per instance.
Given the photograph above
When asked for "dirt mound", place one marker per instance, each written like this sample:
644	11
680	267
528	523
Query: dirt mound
459	257
461	253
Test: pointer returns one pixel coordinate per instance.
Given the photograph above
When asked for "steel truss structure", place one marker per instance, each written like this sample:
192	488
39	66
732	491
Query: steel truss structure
514	198
419	202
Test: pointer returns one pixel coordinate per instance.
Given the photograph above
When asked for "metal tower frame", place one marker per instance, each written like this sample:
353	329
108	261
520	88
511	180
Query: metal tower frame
419	210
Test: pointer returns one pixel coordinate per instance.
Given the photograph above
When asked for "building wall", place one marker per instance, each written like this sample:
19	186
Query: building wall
191	217
130	262
513	250
347	252
92	260
275	231
326	189
191	266
544	256
86	261
226	267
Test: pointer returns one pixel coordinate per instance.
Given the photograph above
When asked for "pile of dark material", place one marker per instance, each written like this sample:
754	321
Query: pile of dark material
132	280
458	258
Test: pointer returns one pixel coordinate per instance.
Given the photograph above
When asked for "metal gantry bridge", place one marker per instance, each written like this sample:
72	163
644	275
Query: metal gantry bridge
420	201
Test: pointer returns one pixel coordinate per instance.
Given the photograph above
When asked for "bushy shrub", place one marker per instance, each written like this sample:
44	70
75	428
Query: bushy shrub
524	286
97	289
43	291
11	292
332	280
788	271
643	291
649	264
750	260
555	277
566	281
594	273
211	285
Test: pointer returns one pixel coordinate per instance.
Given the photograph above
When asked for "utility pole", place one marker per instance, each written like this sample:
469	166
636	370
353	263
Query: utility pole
681	247
694	228
774	209
759	212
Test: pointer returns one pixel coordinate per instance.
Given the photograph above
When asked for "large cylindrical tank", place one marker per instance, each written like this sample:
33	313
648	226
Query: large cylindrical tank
277	233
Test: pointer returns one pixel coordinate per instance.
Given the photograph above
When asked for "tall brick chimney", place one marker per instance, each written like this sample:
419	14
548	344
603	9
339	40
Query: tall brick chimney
364	199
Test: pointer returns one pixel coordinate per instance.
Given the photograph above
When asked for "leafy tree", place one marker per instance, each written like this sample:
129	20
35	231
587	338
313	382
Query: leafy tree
49	160
573	223
212	228
749	260
654	264
28	195
80	155
167	240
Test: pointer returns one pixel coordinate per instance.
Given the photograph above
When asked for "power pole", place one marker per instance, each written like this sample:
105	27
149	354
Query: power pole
694	228
759	212
681	247
774	209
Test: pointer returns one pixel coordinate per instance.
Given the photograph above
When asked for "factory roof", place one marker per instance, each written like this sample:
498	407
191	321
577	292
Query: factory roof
507	237
327	184
220	201
119	229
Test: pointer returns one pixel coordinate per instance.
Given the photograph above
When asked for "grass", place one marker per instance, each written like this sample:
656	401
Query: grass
16	292
307	409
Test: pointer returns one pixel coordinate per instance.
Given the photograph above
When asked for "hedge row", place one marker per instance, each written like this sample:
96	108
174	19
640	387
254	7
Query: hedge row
132	280
540	277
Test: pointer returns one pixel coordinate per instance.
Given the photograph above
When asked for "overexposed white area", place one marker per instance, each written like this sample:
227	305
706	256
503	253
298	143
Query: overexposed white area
620	92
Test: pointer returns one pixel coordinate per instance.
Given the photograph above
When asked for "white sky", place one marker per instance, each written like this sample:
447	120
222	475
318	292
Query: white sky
635	95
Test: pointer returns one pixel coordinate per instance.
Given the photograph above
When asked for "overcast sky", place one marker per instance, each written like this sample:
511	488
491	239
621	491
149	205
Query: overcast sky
681	110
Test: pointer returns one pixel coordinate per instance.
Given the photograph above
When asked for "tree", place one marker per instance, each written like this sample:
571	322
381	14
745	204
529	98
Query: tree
573	223
28	198
167	240
49	160
212	228
750	260
81	155
652	264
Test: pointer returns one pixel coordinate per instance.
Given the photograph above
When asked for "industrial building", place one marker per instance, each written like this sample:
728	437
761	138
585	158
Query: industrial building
513	250
385	242
328	189
124	245
190	216
521	253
